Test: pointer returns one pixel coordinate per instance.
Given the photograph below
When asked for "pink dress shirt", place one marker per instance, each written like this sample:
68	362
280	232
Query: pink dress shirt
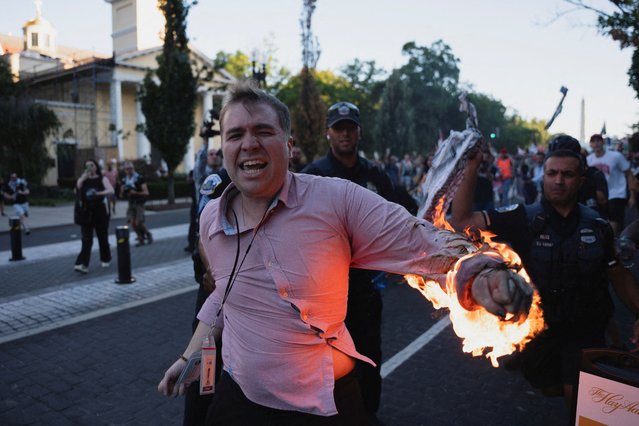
287	306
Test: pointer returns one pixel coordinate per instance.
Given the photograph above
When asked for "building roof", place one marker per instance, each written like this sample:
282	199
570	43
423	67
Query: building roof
12	44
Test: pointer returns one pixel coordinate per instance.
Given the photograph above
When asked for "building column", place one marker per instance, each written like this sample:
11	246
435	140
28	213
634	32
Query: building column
143	144
189	156
207	104
116	117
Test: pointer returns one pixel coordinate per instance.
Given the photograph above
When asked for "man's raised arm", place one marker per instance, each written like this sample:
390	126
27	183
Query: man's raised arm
462	206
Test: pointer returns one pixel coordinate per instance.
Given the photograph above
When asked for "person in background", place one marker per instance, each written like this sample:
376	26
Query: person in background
364	309
538	170
484	197
2	195
633	154
134	189
505	175
196	405
93	188
617	171
17	190
392	170
111	173
297	161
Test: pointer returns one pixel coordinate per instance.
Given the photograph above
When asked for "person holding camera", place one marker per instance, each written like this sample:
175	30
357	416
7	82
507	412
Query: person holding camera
17	191
133	188
93	189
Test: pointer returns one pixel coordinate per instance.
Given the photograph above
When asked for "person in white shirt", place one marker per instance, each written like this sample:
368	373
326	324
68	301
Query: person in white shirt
617	171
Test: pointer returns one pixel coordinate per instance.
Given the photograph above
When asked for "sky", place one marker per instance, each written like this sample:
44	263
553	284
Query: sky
518	51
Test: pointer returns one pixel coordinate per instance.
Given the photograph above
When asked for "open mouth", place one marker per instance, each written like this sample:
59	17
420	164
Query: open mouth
252	166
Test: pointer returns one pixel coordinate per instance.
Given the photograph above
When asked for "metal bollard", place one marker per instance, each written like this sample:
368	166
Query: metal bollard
124	256
16	239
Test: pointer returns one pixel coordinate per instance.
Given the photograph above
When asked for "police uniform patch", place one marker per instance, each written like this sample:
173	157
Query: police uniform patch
210	183
506	209
343	110
587	236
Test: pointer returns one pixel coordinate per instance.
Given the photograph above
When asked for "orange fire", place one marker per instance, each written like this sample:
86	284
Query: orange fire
481	331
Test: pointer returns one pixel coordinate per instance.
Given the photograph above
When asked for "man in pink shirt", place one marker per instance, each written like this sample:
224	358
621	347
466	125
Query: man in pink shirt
279	246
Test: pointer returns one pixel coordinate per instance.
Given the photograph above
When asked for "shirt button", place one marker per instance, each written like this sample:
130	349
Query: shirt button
284	293
305	316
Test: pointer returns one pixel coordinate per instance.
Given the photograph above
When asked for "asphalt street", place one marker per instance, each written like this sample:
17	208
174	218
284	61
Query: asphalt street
83	350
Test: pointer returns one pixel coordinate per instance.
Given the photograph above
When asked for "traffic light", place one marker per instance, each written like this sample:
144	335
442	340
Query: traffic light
493	135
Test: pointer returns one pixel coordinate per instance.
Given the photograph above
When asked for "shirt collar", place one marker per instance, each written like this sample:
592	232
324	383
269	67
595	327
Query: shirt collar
287	196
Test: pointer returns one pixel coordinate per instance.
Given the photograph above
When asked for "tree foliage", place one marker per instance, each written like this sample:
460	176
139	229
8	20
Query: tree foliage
238	64
309	113
622	25
168	104
310	44
419	99
309	116
403	112
24	128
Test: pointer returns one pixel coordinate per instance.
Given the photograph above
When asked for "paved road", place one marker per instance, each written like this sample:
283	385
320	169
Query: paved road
82	350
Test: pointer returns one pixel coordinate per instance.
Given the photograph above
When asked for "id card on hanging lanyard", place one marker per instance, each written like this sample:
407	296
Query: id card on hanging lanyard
207	366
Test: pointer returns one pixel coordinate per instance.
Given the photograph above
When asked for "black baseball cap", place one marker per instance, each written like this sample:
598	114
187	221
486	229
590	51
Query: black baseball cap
342	111
564	142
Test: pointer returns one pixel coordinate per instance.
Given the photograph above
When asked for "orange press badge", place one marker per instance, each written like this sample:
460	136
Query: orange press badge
207	367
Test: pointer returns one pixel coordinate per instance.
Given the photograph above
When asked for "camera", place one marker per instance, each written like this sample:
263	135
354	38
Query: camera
207	131
91	194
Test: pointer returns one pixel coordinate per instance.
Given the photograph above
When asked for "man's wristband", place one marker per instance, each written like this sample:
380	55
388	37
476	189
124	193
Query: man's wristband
183	358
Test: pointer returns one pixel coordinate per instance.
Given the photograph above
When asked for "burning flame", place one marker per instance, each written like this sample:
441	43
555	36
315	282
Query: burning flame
480	330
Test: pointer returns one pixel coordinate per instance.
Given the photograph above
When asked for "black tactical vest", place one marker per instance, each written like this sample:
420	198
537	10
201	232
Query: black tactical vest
570	271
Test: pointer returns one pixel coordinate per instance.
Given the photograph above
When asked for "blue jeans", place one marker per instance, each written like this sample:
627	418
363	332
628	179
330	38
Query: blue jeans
504	190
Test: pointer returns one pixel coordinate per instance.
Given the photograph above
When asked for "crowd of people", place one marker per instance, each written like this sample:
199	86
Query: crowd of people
504	178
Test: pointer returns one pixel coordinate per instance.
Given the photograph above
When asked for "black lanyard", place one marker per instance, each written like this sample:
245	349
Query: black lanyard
234	272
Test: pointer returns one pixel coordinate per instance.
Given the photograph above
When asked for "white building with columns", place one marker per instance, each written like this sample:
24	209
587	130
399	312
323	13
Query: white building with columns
95	96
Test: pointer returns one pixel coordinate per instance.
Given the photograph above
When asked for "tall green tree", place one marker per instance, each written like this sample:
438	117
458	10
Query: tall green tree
24	128
169	104
621	22
365	82
309	113
419	99
392	129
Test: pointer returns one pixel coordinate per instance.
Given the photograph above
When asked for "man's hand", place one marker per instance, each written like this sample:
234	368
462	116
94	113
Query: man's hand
502	292
167	384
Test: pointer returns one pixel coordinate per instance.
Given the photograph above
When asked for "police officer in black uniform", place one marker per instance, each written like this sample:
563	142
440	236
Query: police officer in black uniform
568	250
364	311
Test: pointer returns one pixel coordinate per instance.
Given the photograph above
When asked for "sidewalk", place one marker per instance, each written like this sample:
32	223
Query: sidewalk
43	217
